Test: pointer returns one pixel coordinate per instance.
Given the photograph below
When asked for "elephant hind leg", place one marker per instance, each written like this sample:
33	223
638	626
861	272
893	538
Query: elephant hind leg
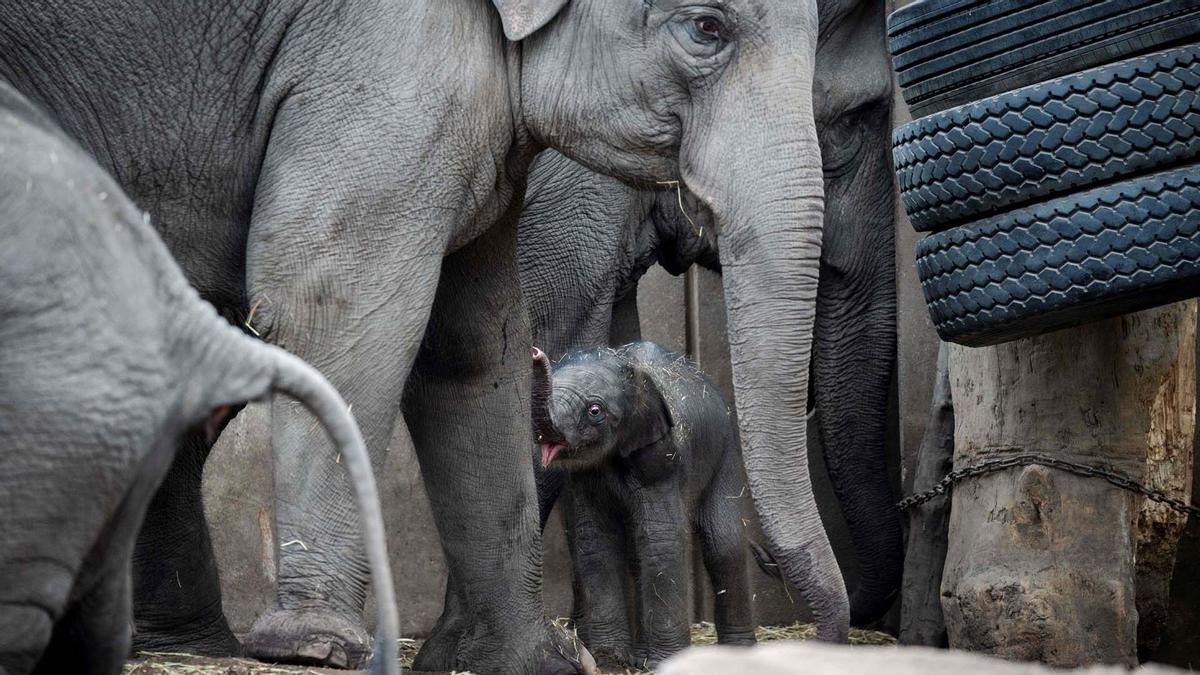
26	624
722	541
93	635
178	594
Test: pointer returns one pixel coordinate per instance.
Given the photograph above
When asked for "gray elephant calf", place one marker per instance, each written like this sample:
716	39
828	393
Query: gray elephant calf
107	357
651	451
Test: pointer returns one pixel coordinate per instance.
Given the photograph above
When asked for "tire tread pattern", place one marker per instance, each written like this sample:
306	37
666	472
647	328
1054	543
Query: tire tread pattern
1064	134
1116	249
949	52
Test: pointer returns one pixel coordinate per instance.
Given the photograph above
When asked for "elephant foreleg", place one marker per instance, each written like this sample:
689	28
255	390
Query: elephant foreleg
660	543
626	326
921	620
599	572
468	408
723	545
357	315
441	648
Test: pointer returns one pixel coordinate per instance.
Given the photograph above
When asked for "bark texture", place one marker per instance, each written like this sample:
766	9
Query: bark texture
1041	563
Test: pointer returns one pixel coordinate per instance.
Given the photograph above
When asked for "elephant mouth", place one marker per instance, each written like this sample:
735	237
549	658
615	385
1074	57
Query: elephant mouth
550	450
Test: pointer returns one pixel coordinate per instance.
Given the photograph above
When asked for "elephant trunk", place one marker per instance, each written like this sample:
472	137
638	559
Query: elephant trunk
549	481
539	395
246	369
757	165
550	441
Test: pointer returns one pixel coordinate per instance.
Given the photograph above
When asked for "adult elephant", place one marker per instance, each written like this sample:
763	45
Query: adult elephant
586	239
345	178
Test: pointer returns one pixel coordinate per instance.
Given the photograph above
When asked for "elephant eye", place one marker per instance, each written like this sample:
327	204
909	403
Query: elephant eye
702	31
709	26
595	412
707	29
842	140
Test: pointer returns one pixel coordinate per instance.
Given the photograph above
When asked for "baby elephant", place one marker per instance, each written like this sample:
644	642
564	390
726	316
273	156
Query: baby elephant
651	453
107	356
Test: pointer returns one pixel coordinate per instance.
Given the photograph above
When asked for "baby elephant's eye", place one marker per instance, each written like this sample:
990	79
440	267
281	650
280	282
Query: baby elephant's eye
595	413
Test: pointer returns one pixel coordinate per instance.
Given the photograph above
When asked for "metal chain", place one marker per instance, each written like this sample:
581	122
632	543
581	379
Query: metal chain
992	465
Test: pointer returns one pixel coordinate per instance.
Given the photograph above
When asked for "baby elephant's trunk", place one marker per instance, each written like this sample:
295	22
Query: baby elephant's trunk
544	431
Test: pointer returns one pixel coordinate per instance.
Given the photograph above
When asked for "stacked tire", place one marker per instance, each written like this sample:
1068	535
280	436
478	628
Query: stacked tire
1057	161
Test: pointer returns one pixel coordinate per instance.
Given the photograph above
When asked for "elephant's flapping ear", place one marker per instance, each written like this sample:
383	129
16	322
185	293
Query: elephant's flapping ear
522	17
651	420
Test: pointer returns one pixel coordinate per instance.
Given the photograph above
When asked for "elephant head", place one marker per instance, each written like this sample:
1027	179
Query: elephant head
718	97
601	404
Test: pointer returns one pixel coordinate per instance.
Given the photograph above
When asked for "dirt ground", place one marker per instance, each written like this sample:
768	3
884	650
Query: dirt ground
159	663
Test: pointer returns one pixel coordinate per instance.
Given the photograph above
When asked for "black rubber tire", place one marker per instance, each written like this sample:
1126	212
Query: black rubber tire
1086	256
950	52
1139	115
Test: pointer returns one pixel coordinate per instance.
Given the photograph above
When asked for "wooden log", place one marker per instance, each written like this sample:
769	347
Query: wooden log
1041	562
1168	469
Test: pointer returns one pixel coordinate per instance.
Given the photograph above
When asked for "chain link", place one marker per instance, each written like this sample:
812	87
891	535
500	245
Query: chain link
992	465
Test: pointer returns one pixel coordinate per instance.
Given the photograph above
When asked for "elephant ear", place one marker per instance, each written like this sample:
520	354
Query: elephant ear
522	17
651	420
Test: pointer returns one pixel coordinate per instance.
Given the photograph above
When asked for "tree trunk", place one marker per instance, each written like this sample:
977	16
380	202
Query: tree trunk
1041	562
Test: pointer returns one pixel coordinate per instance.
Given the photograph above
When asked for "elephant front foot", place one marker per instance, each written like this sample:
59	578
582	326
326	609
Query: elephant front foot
611	653
648	660
546	650
440	651
648	655
213	638
309	637
561	653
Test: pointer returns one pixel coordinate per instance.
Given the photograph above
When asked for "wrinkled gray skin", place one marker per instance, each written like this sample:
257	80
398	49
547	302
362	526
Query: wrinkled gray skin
346	177
652	453
108	358
584	241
